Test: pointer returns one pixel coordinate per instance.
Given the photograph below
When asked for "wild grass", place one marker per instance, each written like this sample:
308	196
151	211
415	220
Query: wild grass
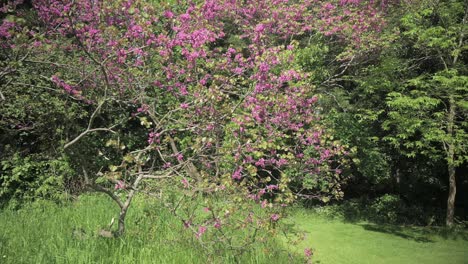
44	232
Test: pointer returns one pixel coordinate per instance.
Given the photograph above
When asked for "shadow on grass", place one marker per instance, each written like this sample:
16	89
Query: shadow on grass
398	231
401	223
418	234
453	233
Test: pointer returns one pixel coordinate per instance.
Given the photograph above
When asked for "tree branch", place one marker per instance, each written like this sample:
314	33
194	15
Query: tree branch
102	189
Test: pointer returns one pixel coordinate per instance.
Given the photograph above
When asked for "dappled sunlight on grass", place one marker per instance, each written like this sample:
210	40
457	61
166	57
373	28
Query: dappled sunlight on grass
335	241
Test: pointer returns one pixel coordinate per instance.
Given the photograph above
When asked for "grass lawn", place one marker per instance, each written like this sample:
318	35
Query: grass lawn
335	241
47	233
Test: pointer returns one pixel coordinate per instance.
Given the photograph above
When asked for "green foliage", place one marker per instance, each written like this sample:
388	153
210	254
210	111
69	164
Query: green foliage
418	118
313	57
391	209
366	154
35	117
29	178
402	109
436	25
386	209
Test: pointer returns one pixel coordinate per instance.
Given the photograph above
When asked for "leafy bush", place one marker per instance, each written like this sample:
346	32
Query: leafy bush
31	178
392	209
386	209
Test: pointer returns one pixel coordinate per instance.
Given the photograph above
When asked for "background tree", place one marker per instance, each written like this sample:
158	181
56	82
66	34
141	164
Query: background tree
428	114
399	146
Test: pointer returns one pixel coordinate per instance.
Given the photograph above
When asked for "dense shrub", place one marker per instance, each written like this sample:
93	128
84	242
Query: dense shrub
32	177
392	209
386	209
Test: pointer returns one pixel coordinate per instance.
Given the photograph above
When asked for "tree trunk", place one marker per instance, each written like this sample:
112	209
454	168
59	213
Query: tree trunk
451	196
121	228
126	205
451	165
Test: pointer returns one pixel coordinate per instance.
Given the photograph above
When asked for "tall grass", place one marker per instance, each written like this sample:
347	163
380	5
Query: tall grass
43	232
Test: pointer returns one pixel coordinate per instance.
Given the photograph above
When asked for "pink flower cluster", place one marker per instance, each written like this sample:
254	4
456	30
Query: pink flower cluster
119	185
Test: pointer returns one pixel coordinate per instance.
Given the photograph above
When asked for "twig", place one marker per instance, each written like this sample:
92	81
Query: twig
84	134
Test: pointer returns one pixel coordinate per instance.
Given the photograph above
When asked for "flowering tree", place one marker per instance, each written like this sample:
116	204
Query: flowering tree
210	89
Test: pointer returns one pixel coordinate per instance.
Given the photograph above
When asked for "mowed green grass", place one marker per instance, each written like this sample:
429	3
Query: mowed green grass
336	241
47	233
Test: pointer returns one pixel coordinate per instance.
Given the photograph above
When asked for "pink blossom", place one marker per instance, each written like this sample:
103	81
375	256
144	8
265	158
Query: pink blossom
238	70
185	17
281	162
6	28
201	231
168	14
183	90
260	162
275	217
180	157
351	2
143	109
119	185
264	67
329	6
237	174
260	28
185	183
253	197
272	187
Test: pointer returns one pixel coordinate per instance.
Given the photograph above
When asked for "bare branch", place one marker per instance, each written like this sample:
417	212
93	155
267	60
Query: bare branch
84	134
157	176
